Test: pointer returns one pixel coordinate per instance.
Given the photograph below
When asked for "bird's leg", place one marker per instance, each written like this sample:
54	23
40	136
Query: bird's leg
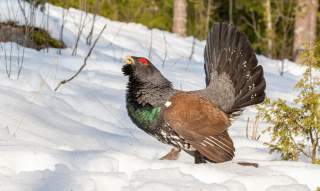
199	158
172	155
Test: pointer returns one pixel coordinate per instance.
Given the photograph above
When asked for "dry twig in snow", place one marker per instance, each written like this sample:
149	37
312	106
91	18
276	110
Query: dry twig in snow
150	47
165	49
84	62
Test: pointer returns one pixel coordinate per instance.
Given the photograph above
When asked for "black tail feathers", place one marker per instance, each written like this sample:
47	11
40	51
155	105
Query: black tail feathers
233	77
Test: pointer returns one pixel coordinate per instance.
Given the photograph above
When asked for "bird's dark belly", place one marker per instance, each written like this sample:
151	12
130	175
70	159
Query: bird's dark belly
167	135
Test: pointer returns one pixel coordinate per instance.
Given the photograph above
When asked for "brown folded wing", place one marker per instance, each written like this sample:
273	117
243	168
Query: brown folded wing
202	124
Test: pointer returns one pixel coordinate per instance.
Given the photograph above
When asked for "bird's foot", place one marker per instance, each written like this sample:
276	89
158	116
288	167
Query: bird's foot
172	155
199	158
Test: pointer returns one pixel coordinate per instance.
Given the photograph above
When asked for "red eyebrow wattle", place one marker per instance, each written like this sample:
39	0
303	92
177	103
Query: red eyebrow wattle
143	61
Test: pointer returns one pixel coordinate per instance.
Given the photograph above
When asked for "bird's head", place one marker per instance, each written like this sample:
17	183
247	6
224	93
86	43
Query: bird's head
146	83
140	68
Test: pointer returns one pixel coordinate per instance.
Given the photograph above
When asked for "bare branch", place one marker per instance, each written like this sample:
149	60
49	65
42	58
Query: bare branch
85	61
47	27
23	11
247	128
208	16
150	46
165	49
192	48
10	63
21	64
298	148
83	5
5	58
64	13
95	11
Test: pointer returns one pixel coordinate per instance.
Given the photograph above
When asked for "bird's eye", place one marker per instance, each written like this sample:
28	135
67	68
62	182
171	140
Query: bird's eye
143	61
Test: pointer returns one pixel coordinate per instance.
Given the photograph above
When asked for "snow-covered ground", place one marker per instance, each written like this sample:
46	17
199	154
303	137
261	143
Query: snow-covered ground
80	137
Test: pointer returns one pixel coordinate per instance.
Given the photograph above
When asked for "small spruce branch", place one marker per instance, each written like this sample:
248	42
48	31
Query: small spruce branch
298	148
84	63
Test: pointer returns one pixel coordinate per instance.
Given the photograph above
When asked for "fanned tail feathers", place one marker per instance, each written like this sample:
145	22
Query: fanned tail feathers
233	77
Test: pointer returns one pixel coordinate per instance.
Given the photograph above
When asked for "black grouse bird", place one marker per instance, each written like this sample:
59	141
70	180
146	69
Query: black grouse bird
197	121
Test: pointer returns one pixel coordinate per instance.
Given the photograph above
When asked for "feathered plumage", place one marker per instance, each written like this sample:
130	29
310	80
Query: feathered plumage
198	121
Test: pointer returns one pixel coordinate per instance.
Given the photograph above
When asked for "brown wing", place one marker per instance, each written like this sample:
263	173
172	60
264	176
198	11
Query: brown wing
202	124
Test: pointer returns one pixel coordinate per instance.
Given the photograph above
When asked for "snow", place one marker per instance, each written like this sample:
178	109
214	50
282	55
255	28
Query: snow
80	137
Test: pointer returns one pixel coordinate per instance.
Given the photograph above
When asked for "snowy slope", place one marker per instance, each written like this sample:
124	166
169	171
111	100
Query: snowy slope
80	137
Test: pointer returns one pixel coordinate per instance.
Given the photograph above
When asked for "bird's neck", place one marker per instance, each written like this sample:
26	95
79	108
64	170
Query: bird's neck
145	100
148	93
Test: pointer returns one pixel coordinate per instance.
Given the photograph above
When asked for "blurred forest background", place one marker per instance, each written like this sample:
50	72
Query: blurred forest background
276	28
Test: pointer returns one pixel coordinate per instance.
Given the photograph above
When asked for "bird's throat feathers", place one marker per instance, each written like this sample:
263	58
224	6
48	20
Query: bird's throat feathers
152	92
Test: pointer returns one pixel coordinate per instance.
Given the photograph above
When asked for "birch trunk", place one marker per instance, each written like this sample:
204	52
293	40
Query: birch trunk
180	17
305	26
268	20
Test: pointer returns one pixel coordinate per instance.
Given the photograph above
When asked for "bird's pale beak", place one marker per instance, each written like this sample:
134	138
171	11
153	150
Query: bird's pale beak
128	60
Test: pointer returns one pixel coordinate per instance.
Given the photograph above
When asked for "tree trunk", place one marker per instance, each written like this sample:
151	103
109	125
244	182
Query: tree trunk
268	20
314	152
230	12
305	26
180	17
208	16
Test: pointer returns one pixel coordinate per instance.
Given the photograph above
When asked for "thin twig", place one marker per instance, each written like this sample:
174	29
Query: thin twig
247	127
208	16
255	130
9	10
192	48
150	47
18	58
23	12
10	59
64	13
5	58
21	64
165	49
82	25
47	27
95	11
84	63
298	148
282	67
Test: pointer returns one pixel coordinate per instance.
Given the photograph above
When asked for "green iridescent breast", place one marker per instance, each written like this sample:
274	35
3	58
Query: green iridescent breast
144	116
